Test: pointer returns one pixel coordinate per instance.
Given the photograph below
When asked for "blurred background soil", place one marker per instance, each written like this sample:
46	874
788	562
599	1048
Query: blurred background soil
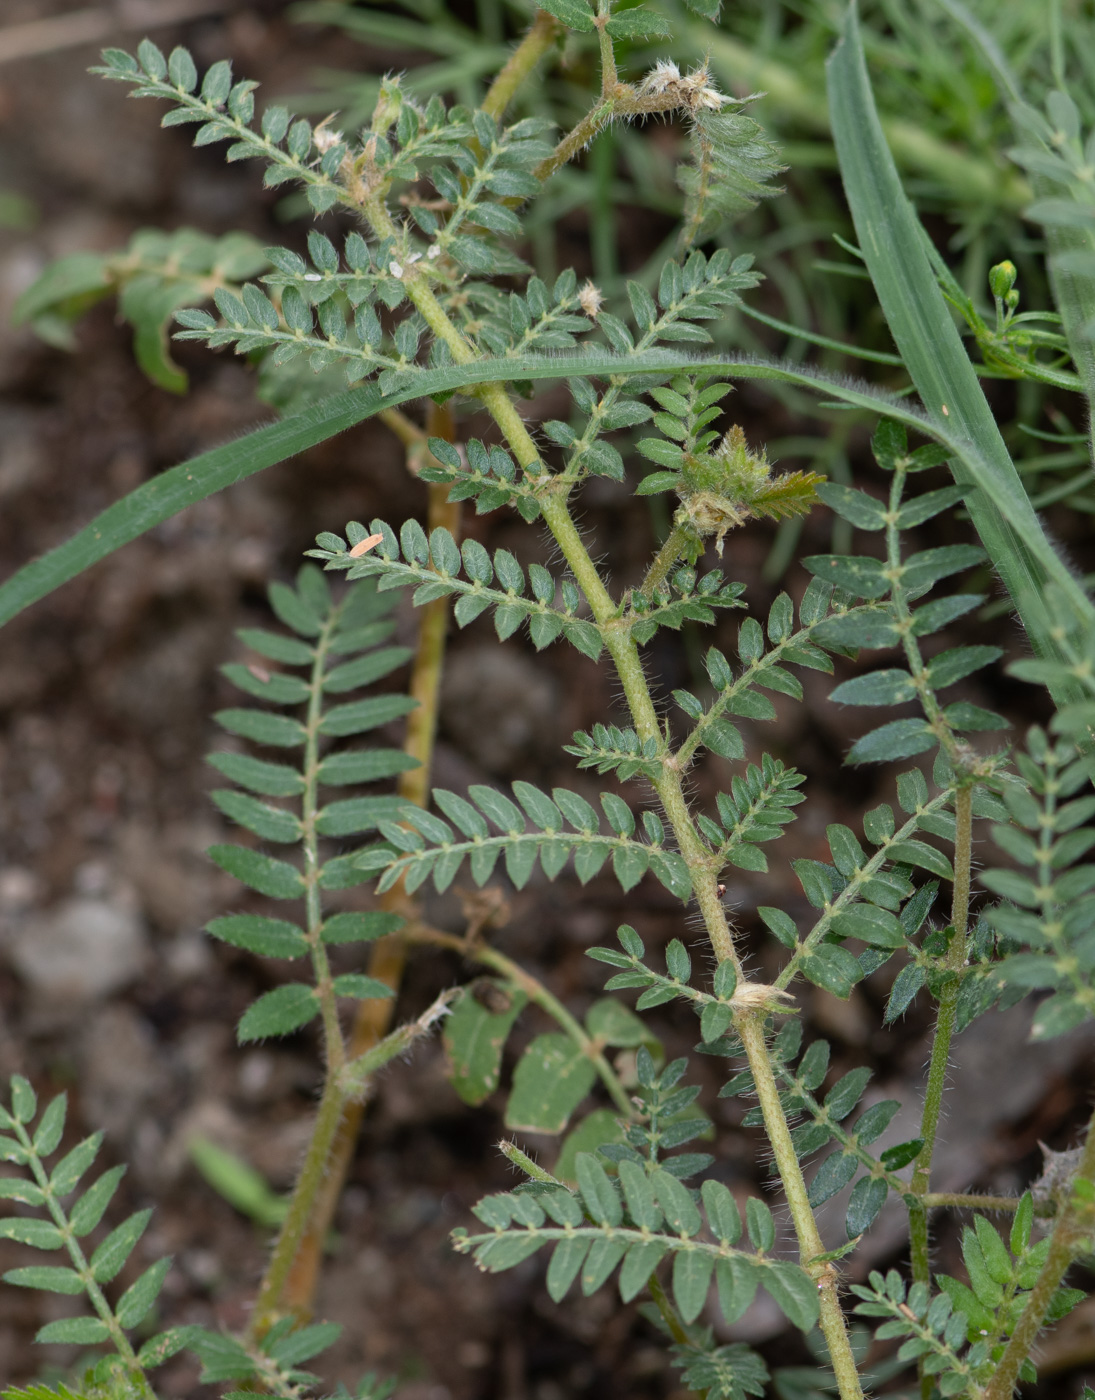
108	987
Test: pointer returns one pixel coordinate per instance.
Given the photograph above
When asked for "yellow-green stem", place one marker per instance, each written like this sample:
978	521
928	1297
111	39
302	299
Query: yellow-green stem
664	561
958	1200
750	1027
269	1304
621	646
518	67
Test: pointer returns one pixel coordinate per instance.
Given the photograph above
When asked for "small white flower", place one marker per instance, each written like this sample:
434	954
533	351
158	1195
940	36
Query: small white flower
323	138
395	269
434	251
313	277
661	77
590	299
415	257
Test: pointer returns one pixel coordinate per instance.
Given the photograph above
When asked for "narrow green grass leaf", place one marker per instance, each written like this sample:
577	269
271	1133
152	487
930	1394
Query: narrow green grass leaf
893	246
209	472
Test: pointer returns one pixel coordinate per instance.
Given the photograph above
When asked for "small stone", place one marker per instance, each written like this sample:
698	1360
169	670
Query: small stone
79	951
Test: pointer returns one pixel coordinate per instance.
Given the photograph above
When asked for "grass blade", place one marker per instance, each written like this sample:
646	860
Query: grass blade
892	243
202	476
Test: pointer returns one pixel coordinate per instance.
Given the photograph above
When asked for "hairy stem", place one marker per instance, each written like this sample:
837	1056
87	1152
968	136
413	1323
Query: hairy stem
518	67
270	1303
958	1200
1061	1251
668	786
664	561
750	1027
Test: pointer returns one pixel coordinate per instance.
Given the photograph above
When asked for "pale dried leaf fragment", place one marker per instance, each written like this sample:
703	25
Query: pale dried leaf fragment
363	546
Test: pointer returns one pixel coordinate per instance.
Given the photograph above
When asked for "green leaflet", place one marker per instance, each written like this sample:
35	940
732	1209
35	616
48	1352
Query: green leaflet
552	1077
475	1036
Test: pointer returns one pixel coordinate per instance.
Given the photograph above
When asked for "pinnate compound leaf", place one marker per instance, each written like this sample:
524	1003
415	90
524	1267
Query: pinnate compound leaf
612	1023
164	1345
118	1245
360	927
867	1199
12	1189
279	1012
552	1077
854	506
24	1101
871	629
564	1267
872	925
276	731
356	984
47	1135
270	823
736	1278
891	687
304	1343
759	1224
601	1198
257	774
832	968
906	985
681	1215
723	1216
603	1256
832	1176
921	854
857	574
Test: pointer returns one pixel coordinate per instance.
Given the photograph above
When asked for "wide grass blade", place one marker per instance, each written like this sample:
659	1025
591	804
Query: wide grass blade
892	242
172	491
